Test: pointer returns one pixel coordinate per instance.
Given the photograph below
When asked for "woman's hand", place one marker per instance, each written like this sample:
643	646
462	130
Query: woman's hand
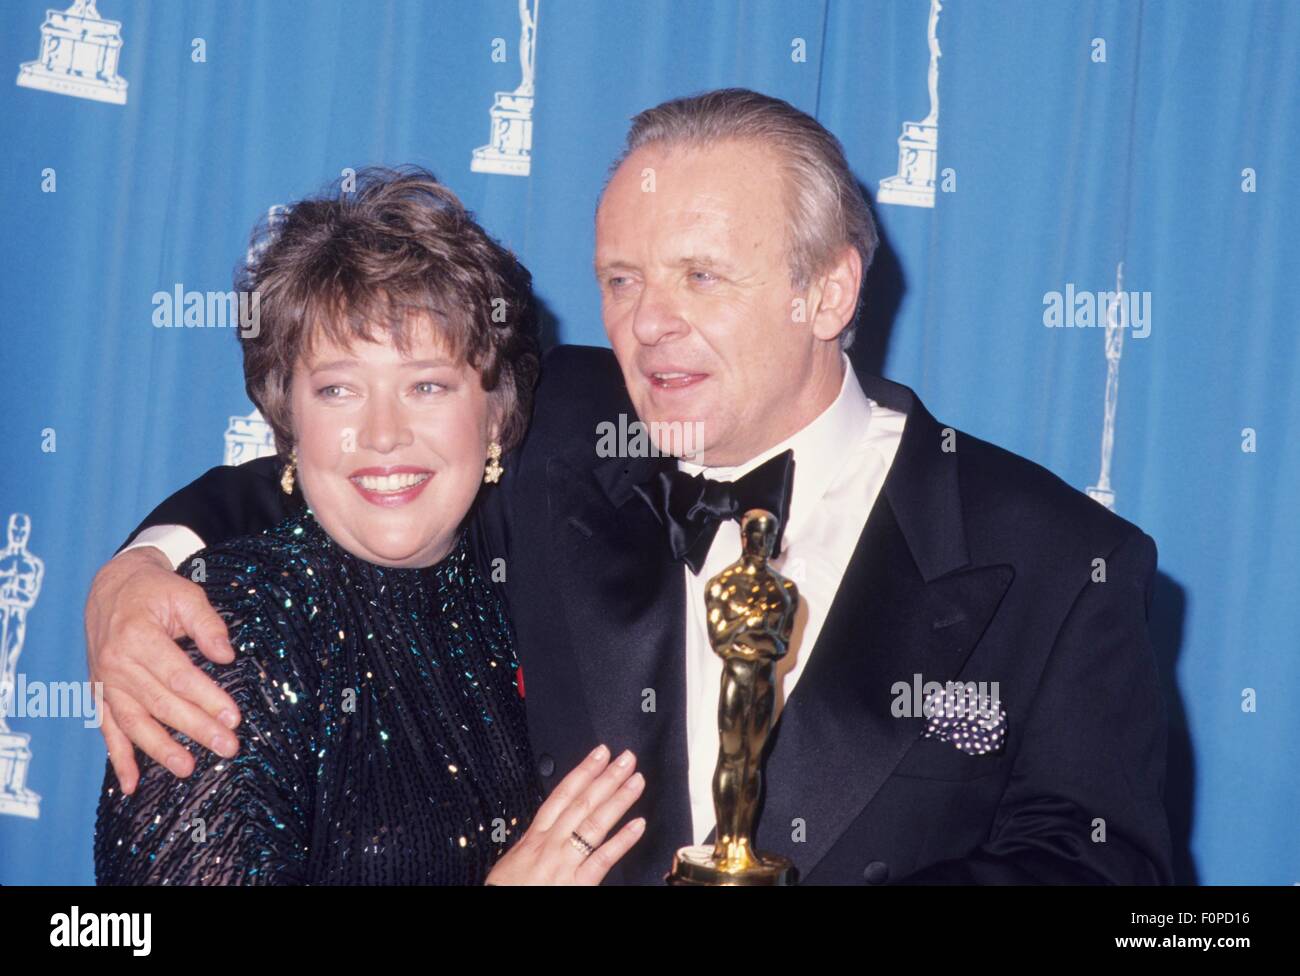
588	802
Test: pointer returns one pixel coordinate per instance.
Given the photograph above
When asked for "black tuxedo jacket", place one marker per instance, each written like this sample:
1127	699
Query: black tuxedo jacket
974	565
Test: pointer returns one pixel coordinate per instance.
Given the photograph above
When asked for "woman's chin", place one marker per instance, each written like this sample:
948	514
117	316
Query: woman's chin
405	551
405	536
404	545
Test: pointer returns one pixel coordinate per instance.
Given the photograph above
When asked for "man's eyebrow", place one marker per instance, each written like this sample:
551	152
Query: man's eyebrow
702	261
685	261
600	267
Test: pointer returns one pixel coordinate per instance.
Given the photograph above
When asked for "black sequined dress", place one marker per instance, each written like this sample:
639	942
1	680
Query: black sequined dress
383	738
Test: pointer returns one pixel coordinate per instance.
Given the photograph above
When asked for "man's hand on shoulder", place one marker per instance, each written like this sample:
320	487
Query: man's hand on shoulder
137	609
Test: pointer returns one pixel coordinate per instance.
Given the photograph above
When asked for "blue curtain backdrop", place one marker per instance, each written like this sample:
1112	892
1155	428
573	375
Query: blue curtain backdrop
1072	138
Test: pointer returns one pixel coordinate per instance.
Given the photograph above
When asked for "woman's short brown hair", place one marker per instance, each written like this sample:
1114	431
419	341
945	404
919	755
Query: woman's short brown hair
373	253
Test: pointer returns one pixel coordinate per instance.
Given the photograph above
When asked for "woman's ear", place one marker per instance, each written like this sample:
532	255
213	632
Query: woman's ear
495	420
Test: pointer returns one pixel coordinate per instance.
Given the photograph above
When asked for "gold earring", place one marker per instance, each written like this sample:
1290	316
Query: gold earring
286	479
492	473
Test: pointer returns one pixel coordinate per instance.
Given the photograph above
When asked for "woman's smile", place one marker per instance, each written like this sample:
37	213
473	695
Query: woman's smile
390	486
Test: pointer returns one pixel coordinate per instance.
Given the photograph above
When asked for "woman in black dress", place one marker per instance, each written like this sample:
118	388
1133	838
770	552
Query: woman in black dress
383	738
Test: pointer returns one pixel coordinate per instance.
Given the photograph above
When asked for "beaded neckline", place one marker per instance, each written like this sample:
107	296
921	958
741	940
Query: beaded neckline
303	529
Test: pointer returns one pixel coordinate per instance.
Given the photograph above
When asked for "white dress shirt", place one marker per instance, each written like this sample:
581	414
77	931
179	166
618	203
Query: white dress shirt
841	460
177	542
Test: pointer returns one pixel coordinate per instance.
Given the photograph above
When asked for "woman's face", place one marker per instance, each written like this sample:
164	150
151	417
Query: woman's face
391	447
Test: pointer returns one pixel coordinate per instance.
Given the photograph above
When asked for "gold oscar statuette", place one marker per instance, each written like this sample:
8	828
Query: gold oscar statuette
751	610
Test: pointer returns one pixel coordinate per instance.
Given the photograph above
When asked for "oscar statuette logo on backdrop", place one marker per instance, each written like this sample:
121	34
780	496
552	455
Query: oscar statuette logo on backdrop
918	146
1102	491
21	574
79	53
511	149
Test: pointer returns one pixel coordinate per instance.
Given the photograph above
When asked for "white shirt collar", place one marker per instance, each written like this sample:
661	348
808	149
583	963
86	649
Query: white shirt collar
820	450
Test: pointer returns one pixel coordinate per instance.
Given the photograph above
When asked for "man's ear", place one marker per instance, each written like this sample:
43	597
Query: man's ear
837	294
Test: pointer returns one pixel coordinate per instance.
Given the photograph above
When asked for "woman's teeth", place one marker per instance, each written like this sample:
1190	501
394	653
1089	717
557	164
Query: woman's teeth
391	482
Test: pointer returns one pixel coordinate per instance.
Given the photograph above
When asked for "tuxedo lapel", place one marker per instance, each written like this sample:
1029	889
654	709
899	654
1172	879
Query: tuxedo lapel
837	739
909	604
624	596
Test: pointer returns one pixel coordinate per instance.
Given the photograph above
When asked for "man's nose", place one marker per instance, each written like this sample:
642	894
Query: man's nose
657	316
386	426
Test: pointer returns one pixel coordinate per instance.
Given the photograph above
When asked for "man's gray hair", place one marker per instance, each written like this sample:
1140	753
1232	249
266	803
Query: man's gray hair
825	207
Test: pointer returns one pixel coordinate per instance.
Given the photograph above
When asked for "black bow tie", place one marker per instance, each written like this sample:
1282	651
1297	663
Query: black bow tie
691	506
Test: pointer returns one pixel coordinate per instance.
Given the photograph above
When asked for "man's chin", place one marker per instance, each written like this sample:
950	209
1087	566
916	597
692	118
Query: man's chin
678	406
678	435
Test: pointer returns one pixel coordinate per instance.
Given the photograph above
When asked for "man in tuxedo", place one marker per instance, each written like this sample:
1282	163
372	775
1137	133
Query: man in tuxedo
731	245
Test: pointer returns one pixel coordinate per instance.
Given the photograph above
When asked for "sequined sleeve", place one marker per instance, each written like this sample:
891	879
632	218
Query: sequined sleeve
240	821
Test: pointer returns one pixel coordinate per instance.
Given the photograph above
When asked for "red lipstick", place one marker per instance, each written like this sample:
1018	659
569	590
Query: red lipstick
392	485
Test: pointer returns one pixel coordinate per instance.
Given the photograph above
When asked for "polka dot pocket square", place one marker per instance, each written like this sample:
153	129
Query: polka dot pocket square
975	724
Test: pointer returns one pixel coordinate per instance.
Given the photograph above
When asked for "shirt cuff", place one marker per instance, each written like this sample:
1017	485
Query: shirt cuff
176	542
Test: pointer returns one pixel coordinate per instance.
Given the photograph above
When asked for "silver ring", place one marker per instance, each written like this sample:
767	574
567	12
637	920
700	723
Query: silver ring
579	842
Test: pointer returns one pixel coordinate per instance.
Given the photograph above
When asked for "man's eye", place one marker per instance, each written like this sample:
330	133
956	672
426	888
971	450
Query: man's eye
704	276
429	387
331	392
617	281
